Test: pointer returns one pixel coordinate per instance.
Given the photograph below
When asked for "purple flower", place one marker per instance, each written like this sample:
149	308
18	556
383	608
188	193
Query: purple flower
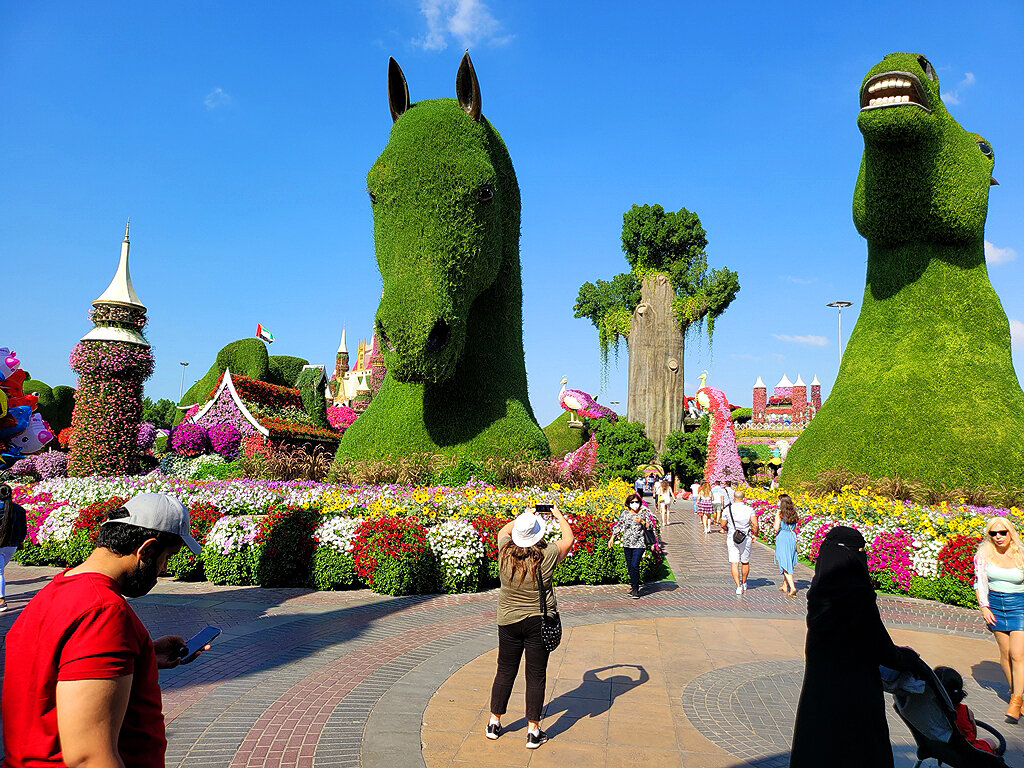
147	436
52	464
225	439
189	440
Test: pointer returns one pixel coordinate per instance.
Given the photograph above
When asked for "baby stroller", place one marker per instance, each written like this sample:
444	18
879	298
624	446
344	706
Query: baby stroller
931	718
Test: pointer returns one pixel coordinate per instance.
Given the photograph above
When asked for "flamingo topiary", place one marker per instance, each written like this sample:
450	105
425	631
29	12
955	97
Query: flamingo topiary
579	403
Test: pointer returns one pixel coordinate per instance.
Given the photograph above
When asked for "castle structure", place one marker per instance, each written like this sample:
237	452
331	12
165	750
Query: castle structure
351	387
789	405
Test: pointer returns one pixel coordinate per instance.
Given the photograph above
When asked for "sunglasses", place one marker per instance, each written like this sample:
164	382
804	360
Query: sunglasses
1003	532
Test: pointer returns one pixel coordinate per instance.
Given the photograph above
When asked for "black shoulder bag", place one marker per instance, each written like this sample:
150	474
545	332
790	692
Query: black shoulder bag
737	535
550	623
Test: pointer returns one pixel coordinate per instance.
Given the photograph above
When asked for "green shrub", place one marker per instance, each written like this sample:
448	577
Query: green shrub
238	569
285	544
622	447
51	553
392	556
232	470
460	473
687	453
160	446
332	569
742	415
55	405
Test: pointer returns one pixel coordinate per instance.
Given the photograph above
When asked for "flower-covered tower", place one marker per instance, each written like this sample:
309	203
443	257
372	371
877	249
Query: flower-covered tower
112	361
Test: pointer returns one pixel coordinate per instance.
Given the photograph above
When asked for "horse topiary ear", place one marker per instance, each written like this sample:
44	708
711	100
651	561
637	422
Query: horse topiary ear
467	88
398	90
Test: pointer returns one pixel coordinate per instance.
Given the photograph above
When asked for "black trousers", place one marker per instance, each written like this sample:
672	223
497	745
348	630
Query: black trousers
633	557
513	640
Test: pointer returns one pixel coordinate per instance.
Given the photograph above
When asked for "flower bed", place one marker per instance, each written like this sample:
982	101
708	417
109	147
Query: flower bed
393	539
912	549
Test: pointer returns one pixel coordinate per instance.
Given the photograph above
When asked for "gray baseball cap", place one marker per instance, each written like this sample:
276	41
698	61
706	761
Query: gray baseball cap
159	512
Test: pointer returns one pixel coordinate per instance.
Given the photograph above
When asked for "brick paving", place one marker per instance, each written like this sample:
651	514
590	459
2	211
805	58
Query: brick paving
319	680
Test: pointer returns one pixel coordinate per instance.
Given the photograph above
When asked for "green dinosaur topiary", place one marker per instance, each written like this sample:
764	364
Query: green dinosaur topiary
926	389
446	228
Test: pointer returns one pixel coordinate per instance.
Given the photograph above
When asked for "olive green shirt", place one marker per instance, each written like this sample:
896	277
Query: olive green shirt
521	601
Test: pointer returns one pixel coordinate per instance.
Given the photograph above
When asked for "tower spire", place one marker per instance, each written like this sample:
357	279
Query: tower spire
127	224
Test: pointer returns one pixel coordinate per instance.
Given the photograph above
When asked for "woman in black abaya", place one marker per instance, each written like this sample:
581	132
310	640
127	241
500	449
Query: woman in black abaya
840	720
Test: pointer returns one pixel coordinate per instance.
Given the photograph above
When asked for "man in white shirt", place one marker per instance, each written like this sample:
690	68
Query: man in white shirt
740	517
718	497
693	490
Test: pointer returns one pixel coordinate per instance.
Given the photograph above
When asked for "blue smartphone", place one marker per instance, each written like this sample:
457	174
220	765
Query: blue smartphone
200	641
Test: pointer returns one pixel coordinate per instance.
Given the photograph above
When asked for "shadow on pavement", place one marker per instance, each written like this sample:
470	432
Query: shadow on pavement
593	696
989	675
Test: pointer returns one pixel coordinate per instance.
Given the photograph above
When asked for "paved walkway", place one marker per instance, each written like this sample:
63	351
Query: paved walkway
693	672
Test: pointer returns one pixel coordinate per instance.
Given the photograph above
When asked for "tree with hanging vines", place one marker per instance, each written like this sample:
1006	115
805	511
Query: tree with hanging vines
668	292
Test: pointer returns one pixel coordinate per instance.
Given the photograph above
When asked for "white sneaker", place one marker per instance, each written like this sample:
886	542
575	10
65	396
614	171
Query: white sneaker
744	586
739	590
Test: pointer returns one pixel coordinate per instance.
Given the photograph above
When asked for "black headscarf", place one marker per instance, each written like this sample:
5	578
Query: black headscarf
12	519
841	573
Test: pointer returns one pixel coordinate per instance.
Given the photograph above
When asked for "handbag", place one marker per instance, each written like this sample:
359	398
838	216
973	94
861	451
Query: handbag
550	623
650	538
737	535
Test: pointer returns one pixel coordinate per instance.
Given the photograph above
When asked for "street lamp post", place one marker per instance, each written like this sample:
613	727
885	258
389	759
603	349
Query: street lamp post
840	305
181	386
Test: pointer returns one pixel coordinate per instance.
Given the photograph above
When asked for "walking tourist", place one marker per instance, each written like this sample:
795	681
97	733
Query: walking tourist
840	719
13	530
785	542
704	506
718	497
665	500
80	683
740	518
999	584
629	530
694	487
523	558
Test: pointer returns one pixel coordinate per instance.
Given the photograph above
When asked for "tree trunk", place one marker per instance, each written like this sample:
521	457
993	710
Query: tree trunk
656	345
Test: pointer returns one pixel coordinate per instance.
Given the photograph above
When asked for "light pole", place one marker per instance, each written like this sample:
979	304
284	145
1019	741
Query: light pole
181	386
840	305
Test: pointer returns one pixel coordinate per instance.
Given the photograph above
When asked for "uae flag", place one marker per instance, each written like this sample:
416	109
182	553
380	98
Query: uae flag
263	333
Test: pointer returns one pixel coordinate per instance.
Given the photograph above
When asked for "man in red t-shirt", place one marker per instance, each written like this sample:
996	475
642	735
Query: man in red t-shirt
81	685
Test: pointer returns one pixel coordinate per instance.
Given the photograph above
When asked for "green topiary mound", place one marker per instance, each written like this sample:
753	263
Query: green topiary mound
927	389
446	228
562	439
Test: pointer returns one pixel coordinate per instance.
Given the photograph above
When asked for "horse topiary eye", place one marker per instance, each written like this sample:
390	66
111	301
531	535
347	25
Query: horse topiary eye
373	197
986	150
486	193
926	65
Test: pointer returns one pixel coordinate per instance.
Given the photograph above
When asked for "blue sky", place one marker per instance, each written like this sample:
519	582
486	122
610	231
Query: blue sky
237	136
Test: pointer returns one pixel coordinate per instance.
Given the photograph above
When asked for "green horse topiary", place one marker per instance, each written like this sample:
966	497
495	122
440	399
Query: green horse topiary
927	388
446	227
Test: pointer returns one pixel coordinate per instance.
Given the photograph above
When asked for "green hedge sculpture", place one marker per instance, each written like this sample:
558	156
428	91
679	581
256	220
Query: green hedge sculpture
446	228
927	389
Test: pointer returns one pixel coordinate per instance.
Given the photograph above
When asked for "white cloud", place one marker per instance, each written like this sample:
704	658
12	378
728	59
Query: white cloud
470	22
813	341
952	96
801	280
217	98
1016	334
996	255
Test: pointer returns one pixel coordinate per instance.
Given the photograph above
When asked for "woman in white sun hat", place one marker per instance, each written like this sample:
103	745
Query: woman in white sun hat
522	554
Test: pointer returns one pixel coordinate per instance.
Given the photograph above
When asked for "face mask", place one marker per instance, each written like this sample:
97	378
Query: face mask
634	505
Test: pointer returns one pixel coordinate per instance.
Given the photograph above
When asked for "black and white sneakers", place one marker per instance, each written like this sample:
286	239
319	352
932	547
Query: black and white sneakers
535	738
493	730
